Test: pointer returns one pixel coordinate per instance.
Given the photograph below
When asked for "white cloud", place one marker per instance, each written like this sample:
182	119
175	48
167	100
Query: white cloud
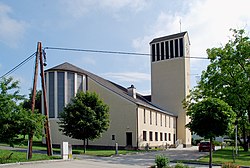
128	76
79	8
11	30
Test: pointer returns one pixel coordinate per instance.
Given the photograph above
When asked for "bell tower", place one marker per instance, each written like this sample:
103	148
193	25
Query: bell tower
170	83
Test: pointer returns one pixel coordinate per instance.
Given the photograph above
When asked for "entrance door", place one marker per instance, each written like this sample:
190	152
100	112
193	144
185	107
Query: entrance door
129	139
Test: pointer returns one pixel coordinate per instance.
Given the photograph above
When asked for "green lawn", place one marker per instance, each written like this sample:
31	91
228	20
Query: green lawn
226	155
7	156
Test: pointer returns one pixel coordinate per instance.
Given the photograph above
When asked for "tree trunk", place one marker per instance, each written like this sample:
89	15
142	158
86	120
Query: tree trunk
245	143
84	145
210	153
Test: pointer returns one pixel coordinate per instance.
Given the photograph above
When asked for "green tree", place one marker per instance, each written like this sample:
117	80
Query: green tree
227	77
14	119
38	106
85	117
210	117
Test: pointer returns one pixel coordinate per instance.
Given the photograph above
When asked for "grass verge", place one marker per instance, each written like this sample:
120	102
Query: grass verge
8	156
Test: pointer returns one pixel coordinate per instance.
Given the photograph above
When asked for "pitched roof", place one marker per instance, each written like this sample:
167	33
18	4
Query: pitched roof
172	36
139	100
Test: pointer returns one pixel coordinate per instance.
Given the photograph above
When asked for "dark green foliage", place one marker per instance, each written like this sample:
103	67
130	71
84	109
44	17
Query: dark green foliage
161	161
27	102
14	119
85	117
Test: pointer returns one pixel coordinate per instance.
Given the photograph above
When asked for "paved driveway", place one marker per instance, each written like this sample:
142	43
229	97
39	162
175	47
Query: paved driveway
139	160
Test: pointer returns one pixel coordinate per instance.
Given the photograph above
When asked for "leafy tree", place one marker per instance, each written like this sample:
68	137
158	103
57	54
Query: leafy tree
227	77
210	117
38	106
85	117
14	119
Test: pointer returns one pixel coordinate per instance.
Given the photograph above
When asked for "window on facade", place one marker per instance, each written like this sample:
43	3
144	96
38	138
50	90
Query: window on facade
79	83
153	52
165	120
158	51
155	118
181	47
167	49
113	137
144	136
51	95
161	119
166	136
169	136
176	47
156	136
171	49
60	92
161	136
71	85
150	117
144	116
162	51
169	122
174	122
150	135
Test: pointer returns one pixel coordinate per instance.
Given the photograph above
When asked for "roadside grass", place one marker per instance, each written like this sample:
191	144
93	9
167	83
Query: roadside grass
223	156
9	156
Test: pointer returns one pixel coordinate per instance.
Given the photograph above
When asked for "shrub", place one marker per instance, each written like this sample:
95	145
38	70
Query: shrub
229	165
180	165
161	161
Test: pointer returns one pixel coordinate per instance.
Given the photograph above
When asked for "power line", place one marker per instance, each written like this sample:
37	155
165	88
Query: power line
108	52
18	66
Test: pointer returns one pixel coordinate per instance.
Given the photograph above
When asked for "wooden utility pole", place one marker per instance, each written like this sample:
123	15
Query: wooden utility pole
39	57
33	101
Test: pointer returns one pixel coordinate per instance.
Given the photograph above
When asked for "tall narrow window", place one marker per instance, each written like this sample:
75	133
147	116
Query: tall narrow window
167	49
60	92
162	51
169	122
153	52
165	120
169	136
181	47
171	49
150	135
158	51
161	136
166	136
144	135
155	118
161	119
71	85
144	116
176	48
150	117
79	83
51	95
156	136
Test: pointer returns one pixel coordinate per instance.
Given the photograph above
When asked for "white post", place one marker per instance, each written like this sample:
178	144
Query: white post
65	151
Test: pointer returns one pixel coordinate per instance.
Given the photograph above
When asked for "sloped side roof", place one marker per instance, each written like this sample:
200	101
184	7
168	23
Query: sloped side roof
140	100
172	36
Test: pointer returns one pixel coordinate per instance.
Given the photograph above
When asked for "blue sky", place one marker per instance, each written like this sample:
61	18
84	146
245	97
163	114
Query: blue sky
113	25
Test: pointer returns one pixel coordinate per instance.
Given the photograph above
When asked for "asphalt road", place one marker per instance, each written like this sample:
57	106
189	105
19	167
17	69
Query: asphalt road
139	160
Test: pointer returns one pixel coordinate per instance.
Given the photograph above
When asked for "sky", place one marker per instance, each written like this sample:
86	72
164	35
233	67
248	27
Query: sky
112	25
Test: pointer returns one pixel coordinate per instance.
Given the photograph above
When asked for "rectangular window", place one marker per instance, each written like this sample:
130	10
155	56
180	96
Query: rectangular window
144	116
156	136
169	122
51	95
155	118
165	120
144	135
150	117
174	122
113	137
71	85
60	92
162	51
171	49
153	52
161	119
150	135
158	51
161	136
166	136
79	83
176	48
167	49
169	136
181	47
